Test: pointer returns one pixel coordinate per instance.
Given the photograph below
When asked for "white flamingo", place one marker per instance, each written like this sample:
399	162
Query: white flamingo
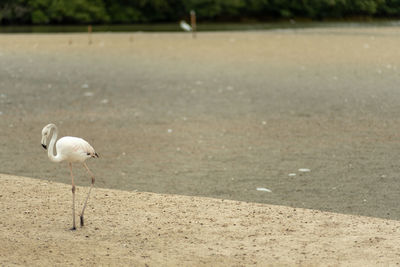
70	149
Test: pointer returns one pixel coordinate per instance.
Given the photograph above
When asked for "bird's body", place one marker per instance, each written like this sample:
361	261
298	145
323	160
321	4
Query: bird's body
74	149
70	149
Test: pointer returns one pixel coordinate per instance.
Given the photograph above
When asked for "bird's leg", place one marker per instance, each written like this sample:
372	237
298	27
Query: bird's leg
73	198
90	189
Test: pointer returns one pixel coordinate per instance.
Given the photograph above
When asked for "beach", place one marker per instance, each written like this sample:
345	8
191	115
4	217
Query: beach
203	145
147	229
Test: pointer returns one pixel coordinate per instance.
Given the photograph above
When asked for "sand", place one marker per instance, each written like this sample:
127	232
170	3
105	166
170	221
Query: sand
147	229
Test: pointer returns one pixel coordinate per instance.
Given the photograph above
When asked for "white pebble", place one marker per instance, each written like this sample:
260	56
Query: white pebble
104	101
291	174
169	130
304	170
85	85
88	94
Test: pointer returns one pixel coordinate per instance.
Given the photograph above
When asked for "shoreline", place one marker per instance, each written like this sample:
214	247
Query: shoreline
204	27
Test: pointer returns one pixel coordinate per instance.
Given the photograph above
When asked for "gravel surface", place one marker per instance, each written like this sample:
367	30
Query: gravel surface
219	116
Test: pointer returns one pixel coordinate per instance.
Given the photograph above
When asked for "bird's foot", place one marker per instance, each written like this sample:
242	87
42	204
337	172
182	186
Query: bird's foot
82	223
73	228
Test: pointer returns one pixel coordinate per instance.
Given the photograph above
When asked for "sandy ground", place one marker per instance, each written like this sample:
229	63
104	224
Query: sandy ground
217	116
147	229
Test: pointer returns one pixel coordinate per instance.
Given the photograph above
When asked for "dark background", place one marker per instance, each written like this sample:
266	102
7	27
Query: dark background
149	11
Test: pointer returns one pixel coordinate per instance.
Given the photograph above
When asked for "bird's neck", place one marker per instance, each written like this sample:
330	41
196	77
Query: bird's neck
50	151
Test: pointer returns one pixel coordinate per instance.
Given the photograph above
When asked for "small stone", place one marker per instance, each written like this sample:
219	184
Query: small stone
88	94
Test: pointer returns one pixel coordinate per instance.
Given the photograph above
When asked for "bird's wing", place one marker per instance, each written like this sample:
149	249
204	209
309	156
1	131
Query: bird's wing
76	145
84	147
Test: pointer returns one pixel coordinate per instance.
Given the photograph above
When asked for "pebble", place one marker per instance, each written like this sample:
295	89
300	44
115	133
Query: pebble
88	94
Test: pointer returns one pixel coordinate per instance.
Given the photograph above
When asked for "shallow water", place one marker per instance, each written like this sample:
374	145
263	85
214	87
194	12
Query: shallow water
174	27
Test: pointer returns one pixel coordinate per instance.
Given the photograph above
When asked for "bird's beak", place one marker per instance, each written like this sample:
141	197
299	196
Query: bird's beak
44	142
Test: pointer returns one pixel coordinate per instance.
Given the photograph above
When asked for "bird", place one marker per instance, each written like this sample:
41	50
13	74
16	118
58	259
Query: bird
185	26
72	150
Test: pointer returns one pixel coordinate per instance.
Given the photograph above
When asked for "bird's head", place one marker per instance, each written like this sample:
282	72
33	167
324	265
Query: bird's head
46	133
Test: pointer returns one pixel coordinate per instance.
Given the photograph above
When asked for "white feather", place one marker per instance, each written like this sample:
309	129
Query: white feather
263	189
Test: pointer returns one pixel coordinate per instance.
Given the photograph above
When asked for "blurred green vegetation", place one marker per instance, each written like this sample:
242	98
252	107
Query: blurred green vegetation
148	11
